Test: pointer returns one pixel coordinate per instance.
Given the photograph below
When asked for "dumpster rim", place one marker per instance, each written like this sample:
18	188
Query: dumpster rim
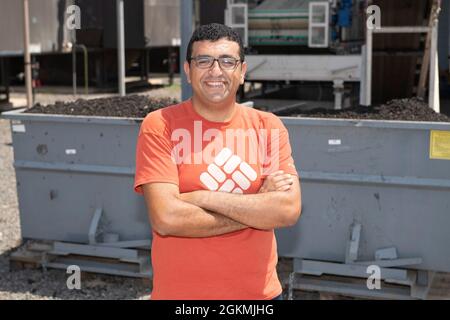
19	114
367	123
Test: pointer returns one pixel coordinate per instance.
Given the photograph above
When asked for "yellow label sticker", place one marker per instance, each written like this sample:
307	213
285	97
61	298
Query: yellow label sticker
440	145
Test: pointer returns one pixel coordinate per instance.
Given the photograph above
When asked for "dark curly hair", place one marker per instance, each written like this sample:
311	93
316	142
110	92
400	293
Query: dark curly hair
214	32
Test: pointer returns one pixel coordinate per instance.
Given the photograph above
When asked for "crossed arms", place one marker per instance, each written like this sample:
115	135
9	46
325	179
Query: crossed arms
209	213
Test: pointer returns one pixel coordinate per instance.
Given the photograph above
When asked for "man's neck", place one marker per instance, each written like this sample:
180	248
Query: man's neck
222	112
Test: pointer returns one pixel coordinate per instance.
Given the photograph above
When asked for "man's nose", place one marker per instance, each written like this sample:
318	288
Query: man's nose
215	68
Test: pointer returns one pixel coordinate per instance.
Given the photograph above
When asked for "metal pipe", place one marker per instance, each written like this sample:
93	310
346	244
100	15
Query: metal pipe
74	68
121	46
74	62
186	32
433	94
27	55
362	84
368	74
338	86
86	68
402	30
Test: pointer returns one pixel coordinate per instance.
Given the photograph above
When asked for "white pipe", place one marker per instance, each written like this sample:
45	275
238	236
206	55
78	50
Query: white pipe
433	94
26	53
402	30
185	32
368	74
120	47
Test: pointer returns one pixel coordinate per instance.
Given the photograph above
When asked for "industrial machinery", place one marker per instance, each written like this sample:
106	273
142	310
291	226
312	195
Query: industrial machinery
310	50
315	24
151	29
303	42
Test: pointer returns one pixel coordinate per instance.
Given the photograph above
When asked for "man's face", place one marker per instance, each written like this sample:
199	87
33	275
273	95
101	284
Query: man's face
215	84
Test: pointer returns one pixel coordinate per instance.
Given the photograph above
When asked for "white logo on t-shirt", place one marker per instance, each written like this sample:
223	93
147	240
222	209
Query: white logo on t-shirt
226	163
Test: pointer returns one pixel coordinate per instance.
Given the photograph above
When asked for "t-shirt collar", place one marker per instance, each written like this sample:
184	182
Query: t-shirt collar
205	121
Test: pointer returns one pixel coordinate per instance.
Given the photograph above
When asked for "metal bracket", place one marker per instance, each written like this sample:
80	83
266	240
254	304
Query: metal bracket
98	258
92	234
338	86
351	252
259	65
344	69
386	259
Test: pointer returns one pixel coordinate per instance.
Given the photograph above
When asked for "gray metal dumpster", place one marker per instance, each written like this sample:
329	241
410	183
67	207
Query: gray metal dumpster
67	167
370	188
373	191
75	179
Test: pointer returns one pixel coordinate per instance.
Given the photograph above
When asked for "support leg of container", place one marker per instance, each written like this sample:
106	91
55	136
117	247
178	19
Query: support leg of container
291	285
351	253
94	225
423	284
338	86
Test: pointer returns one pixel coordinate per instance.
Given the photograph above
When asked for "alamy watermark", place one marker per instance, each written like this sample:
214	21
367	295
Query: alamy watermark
74	280
374	280
255	146
73	20
374	17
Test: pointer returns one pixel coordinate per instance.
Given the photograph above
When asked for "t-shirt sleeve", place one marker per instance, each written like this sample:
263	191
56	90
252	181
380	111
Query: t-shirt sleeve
279	148
154	162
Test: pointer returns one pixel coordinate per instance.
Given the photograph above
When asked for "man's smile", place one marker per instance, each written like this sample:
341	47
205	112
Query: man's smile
215	84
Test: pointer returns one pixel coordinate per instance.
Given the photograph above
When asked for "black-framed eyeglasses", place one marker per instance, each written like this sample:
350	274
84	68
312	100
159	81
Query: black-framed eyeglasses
206	62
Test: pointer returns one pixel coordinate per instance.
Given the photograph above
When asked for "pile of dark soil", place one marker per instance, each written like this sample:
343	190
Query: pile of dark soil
138	106
400	109
133	106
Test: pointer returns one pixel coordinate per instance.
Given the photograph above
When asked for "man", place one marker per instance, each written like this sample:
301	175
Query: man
217	178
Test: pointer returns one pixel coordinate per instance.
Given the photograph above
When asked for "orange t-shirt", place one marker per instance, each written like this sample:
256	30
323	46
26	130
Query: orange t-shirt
177	145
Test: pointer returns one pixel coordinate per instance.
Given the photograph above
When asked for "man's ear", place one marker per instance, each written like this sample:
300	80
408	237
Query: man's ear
243	72
187	71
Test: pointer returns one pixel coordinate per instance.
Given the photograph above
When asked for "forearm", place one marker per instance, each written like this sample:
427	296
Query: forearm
262	210
188	220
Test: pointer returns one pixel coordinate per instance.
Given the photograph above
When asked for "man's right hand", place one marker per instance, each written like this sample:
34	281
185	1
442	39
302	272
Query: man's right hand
277	181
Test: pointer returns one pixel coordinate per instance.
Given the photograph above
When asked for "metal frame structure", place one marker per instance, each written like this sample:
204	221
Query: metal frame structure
319	25
230	17
300	67
124	257
121	46
186	19
337	69
433	96
26	53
